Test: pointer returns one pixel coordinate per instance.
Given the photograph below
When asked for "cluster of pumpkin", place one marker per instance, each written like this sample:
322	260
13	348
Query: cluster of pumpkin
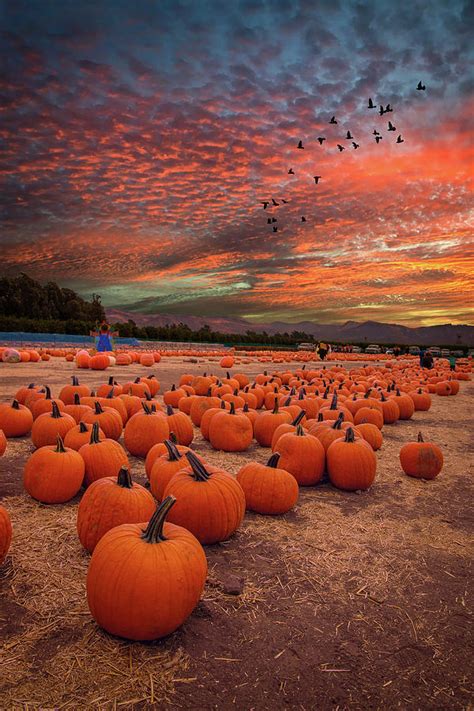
314	421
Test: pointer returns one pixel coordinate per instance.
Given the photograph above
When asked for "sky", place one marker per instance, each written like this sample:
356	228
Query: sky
138	141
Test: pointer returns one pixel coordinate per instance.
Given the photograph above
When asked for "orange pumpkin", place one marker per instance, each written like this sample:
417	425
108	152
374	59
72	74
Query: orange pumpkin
268	489
49	425
102	457
5	533
422	460
143	430
351	463
15	420
302	455
229	431
53	474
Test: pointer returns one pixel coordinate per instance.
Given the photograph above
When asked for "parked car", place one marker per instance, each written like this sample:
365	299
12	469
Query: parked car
306	346
445	353
389	351
435	351
458	354
356	349
414	350
373	349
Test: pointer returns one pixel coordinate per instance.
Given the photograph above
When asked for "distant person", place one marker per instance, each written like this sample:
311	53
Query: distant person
322	350
422	354
396	351
452	362
105	337
427	360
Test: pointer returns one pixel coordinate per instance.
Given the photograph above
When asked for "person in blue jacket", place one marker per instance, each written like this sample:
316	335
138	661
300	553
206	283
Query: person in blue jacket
105	337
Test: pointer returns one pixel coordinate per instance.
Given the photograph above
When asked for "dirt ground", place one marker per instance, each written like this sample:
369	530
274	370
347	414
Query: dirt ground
350	601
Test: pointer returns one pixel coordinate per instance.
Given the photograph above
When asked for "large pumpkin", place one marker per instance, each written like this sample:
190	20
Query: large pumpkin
211	503
109	502
230	432
143	583
302	455
422	460
268	488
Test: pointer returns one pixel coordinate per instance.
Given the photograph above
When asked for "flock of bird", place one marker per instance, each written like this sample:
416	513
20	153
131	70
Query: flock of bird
340	147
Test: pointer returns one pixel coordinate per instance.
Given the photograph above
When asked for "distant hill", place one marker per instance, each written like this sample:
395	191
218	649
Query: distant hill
349	332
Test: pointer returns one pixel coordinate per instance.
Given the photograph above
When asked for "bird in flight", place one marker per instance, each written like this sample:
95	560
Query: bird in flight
391	127
285	201
274	219
291	171
275	229
316	178
333	120
400	140
348	136
421	87
320	140
275	203
388	108
376	133
269	220
300	145
378	138
341	148
303	218
371	105
381	110
265	204
356	145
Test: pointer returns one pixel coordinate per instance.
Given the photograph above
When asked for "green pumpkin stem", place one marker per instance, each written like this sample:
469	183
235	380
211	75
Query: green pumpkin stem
60	445
199	471
154	531
273	461
173	452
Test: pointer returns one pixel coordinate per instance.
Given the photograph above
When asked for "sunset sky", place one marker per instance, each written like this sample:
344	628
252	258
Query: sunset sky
139	139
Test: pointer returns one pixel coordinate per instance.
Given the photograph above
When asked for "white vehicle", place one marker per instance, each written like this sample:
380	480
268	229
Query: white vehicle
373	349
445	353
306	346
435	351
389	351
356	349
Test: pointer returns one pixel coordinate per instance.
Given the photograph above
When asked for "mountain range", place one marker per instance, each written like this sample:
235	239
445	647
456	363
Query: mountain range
349	332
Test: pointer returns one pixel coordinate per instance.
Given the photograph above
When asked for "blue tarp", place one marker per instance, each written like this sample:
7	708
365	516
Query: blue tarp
89	341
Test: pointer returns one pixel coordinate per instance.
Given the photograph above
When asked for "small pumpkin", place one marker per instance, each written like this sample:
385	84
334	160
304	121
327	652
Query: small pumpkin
53	474
420	459
49	425
143	582
302	455
79	435
268	488
267	422
144	429
109	420
160	450
181	425
102	457
15	420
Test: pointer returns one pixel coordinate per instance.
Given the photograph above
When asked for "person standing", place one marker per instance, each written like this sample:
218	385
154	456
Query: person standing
322	350
422	353
105	337
452	362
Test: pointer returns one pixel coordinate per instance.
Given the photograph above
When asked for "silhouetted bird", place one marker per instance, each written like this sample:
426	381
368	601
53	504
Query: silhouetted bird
356	145
381	110
341	148
275	229
285	201
321	139
333	120
303	219
316	178
275	203
388	108
391	127
376	133
291	171
400	140
348	136
378	138
420	87
269	220
300	145
274	219
371	105
265	204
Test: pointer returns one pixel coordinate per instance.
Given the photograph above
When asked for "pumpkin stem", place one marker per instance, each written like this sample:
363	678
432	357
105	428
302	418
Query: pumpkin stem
124	478
173	451
60	445
110	395
75	380
82	427
338	423
48	392
420	437
173	388
172	438
232	409
333	405
95	434
199	470
273	461
55	410
16	405
146	409
300	431
298	418
169	410
77	399
350	437
98	408
154	531
275	409
320	417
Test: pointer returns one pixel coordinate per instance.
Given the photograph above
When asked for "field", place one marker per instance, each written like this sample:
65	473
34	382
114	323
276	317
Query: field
350	601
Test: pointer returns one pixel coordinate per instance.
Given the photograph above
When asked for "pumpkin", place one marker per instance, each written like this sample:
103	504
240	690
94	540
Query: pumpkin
25	391
266	423
80	435
208	415
109	502
165	467
53	474
100	361
143	582
15	420
160	449
181	425
173	396
45	404
369	414
210	502
3	443
143	430
390	410
76	410
405	405
152	383
5	533
371	433
147	359
111	387
49	425
443	388
109	420
116	403
68	392
286	427
230	432
421	400
351	463
302	455
268	488
422	460
102	457
11	355
200	405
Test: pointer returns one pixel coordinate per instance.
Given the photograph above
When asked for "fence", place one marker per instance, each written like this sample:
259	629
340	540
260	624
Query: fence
63	339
